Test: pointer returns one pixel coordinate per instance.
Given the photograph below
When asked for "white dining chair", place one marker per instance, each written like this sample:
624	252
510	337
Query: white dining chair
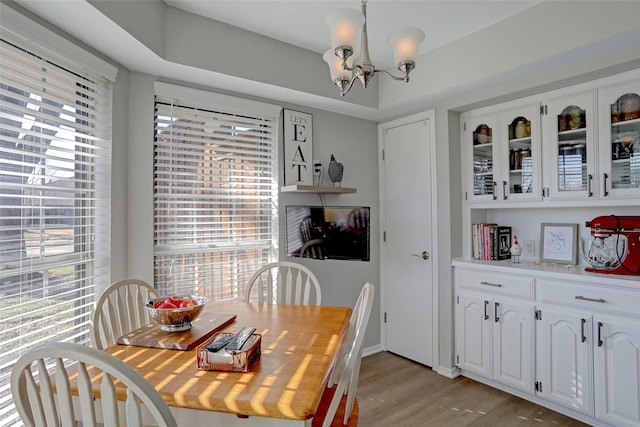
39	403
283	283
120	309
346	370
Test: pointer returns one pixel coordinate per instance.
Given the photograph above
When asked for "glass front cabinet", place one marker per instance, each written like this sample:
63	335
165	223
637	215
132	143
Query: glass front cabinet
569	147
501	154
520	151
481	154
619	140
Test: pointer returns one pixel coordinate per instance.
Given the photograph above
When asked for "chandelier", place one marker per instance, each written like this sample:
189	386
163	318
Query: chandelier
344	25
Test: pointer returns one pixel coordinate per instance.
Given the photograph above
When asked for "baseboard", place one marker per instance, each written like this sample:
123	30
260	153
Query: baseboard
450	373
372	350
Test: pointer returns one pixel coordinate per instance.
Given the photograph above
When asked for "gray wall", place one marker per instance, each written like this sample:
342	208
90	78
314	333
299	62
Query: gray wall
353	142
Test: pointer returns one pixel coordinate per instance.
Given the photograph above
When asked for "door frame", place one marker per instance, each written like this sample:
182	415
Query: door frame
382	127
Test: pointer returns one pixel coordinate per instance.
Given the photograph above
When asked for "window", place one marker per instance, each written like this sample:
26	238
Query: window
215	182
55	120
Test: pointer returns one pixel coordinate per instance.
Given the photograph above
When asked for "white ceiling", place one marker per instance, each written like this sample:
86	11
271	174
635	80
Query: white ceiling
301	22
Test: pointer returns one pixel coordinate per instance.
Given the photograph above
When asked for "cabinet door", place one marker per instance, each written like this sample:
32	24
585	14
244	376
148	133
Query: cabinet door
619	140
617	369
474	335
564	364
569	147
520	151
513	344
479	157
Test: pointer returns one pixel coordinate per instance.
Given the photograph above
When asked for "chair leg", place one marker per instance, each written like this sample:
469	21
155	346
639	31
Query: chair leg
341	388
353	387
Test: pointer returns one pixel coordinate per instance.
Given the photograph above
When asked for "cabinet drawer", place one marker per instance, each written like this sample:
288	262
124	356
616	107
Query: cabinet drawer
600	298
496	283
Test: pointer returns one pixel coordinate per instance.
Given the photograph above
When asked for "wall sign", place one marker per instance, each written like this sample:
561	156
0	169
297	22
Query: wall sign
298	144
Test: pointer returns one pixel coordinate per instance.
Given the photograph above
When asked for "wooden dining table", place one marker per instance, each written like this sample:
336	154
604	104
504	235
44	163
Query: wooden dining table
283	388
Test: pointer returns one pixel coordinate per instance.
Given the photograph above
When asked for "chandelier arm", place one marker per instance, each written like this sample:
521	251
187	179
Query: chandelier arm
391	76
347	88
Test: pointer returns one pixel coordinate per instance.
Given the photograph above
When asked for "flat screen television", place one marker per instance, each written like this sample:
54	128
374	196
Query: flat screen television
328	232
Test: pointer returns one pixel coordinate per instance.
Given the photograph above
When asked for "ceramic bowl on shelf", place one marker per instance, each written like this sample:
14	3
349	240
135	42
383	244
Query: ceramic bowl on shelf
178	318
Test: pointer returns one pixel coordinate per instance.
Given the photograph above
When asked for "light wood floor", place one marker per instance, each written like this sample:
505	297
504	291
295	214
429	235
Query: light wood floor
397	392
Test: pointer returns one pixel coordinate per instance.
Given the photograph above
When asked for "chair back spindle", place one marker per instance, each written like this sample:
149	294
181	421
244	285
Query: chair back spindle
119	310
39	405
283	283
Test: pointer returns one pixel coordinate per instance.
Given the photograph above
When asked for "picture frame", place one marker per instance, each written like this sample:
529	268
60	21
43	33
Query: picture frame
298	148
559	243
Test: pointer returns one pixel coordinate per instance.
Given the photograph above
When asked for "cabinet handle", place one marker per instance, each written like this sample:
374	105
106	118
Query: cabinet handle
600	334
504	190
486	315
583	321
495	185
495	312
589	179
497	285
604	184
600	300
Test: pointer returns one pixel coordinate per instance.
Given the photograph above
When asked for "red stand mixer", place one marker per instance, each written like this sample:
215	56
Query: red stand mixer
615	245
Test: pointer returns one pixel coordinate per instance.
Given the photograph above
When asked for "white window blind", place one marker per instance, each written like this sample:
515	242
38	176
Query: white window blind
215	183
55	154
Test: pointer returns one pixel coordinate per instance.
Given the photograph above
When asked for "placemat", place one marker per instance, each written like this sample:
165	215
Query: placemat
203	327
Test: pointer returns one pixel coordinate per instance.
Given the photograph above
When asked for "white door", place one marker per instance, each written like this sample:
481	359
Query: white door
408	248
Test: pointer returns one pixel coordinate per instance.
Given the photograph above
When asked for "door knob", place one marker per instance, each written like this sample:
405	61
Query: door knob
423	255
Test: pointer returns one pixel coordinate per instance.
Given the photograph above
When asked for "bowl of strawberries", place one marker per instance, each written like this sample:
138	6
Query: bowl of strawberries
175	313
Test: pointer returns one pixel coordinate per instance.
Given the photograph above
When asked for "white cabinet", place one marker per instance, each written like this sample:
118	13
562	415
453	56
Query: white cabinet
569	147
480	156
577	144
564	358
474	334
617	370
583	359
494	330
588	349
501	153
619	139
521	152
570	341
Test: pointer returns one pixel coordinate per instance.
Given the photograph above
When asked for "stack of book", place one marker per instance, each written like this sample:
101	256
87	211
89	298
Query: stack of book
490	241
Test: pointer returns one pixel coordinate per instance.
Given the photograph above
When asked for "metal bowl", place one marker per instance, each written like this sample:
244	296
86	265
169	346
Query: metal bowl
176	319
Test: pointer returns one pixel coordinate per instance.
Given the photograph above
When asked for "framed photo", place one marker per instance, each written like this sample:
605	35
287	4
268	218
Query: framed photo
559	243
298	148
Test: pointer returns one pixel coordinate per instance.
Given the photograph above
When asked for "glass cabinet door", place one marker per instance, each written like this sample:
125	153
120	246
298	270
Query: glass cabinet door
480	145
521	152
570	149
483	181
620	140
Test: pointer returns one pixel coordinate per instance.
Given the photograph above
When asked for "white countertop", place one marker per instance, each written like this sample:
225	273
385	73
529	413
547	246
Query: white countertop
553	271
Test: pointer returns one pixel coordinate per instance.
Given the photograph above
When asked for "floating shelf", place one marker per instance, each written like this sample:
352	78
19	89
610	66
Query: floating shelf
316	189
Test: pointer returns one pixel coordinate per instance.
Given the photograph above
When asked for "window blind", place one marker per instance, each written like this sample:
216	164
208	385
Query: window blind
55	154
216	205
